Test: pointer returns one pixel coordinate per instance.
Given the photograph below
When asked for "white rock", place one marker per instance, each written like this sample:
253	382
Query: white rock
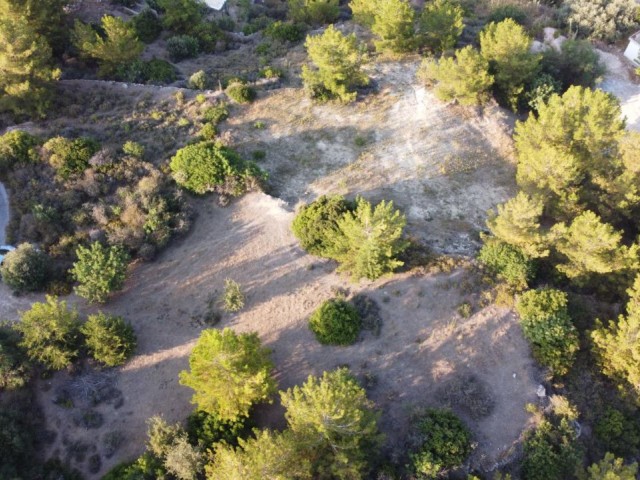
541	391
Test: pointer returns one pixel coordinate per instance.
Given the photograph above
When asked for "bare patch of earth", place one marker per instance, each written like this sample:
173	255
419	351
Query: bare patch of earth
621	81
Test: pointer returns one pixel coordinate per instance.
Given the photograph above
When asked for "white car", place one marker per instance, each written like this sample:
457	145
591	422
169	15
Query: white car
4	249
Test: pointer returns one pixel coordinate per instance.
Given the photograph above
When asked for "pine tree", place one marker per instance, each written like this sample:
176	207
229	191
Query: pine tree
465	79
26	71
369	240
337	60
393	25
507	46
441	25
229	373
49	19
518	223
364	11
119	46
618	345
181	16
612	468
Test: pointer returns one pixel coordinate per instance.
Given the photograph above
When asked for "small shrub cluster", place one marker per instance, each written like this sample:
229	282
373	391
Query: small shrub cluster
285	31
182	47
17	147
99	271
109	339
15	370
148	25
239	92
232	298
314	12
336	322
25	269
154	71
198	81
69	157
507	262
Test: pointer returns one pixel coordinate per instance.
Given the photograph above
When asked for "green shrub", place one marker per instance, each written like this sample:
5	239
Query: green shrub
15	370
208	34
441	24
216	114
315	221
133	149
285	31
271	72
446	443
25	269
198	81
618	433
209	167
577	63
394	26
336	322
208	132
550	452
232	298
154	71
315	12
109	339
17	147
541	89
50	333
507	262
547	326
240	93
603	19
207	429
69	157
148	25
182	47
99	271
503	12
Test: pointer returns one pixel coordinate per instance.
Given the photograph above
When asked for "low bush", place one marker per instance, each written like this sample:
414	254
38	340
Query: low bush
285	31
232	298
271	72
618	432
133	149
445	443
547	326
336	322
50	333
507	262
207	429
69	157
314	222
210	167
109	339
25	269
240	93
15	370
314	12
17	147
148	25
577	63
182	47
99	271
503	12
216	114
541	89
198	81
153	71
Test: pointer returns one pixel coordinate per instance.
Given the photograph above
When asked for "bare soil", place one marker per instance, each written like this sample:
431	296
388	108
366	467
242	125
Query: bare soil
621	81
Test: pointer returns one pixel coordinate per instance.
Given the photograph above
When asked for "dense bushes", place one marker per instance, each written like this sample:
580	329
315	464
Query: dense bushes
229	373
336	322
603	19
337	61
17	147
209	167
441	25
154	71
25	269
313	11
393	25
208	429
547	325
99	271
147	25
507	262
182	47
445	443
109	339
69	157
50	333
240	92
285	31
366	241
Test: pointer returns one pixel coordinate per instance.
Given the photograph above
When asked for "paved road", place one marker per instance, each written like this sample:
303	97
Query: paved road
4	213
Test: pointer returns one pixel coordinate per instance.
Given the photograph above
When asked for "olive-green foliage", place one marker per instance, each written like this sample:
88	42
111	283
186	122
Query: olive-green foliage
15	370
334	423
119	45
612	468
17	147
148	25
541	89
548	327
25	269
603	19
465	79
269	455
50	333
210	167
577	63
368	240
240	92
337	66
232	297
133	149
507	46
364	11
446	443
109	339
99	271
618	432
503	12
393	26
550	452
27	74
154	71
314	12
229	373
169	444
208	430
182	47
315	221
336	322
441	25
285	31
216	114
618	345
507	262
181	15
198	81
68	156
